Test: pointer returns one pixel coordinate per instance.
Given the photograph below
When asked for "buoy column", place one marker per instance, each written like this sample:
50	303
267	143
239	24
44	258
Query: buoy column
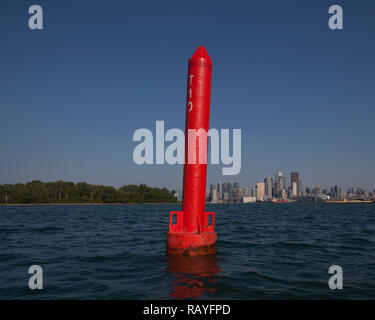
191	231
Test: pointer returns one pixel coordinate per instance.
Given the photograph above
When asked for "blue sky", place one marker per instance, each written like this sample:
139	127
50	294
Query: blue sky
72	95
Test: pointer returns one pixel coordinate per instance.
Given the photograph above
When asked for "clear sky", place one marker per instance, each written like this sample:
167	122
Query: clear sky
72	95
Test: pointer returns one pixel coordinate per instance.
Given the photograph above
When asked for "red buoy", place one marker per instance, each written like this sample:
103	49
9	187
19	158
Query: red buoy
193	231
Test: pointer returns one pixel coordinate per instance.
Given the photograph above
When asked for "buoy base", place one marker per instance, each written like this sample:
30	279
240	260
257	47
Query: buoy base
199	244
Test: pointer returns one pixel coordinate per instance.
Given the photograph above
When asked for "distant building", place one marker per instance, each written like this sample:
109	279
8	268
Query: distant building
240	192
276	190
214	195
261	189
336	191
279	185
236	188
290	193
268	187
283	183
350	192
284	194
220	190
294	189
254	192
230	189
294	183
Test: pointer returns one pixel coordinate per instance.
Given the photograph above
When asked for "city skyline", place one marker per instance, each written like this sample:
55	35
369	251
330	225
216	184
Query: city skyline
236	179
279	188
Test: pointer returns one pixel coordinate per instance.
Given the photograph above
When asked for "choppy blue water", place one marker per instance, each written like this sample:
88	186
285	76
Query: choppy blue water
265	251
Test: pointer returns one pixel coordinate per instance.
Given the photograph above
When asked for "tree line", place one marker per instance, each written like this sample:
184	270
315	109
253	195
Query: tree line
70	192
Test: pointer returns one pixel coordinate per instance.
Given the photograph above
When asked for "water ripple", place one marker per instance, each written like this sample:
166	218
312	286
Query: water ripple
265	251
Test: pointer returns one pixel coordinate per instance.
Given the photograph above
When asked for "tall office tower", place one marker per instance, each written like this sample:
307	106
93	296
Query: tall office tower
277	177
276	190
268	191
283	183
212	191
280	180
294	180
230	189
220	190
294	189
213	195
225	188
254	192
261	188
236	191
284	194
336	191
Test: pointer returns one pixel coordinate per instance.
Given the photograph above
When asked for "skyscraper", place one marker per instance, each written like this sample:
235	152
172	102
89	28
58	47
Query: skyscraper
230	189
283	183
236	191
268	191
294	189
279	184
254	192
336	191
220	190
294	183
236	186
260	191
213	194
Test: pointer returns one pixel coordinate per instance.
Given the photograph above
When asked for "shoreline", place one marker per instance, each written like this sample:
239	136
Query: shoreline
80	204
152	203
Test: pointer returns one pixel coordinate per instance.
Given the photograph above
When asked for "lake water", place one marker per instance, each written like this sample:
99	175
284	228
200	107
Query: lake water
265	251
